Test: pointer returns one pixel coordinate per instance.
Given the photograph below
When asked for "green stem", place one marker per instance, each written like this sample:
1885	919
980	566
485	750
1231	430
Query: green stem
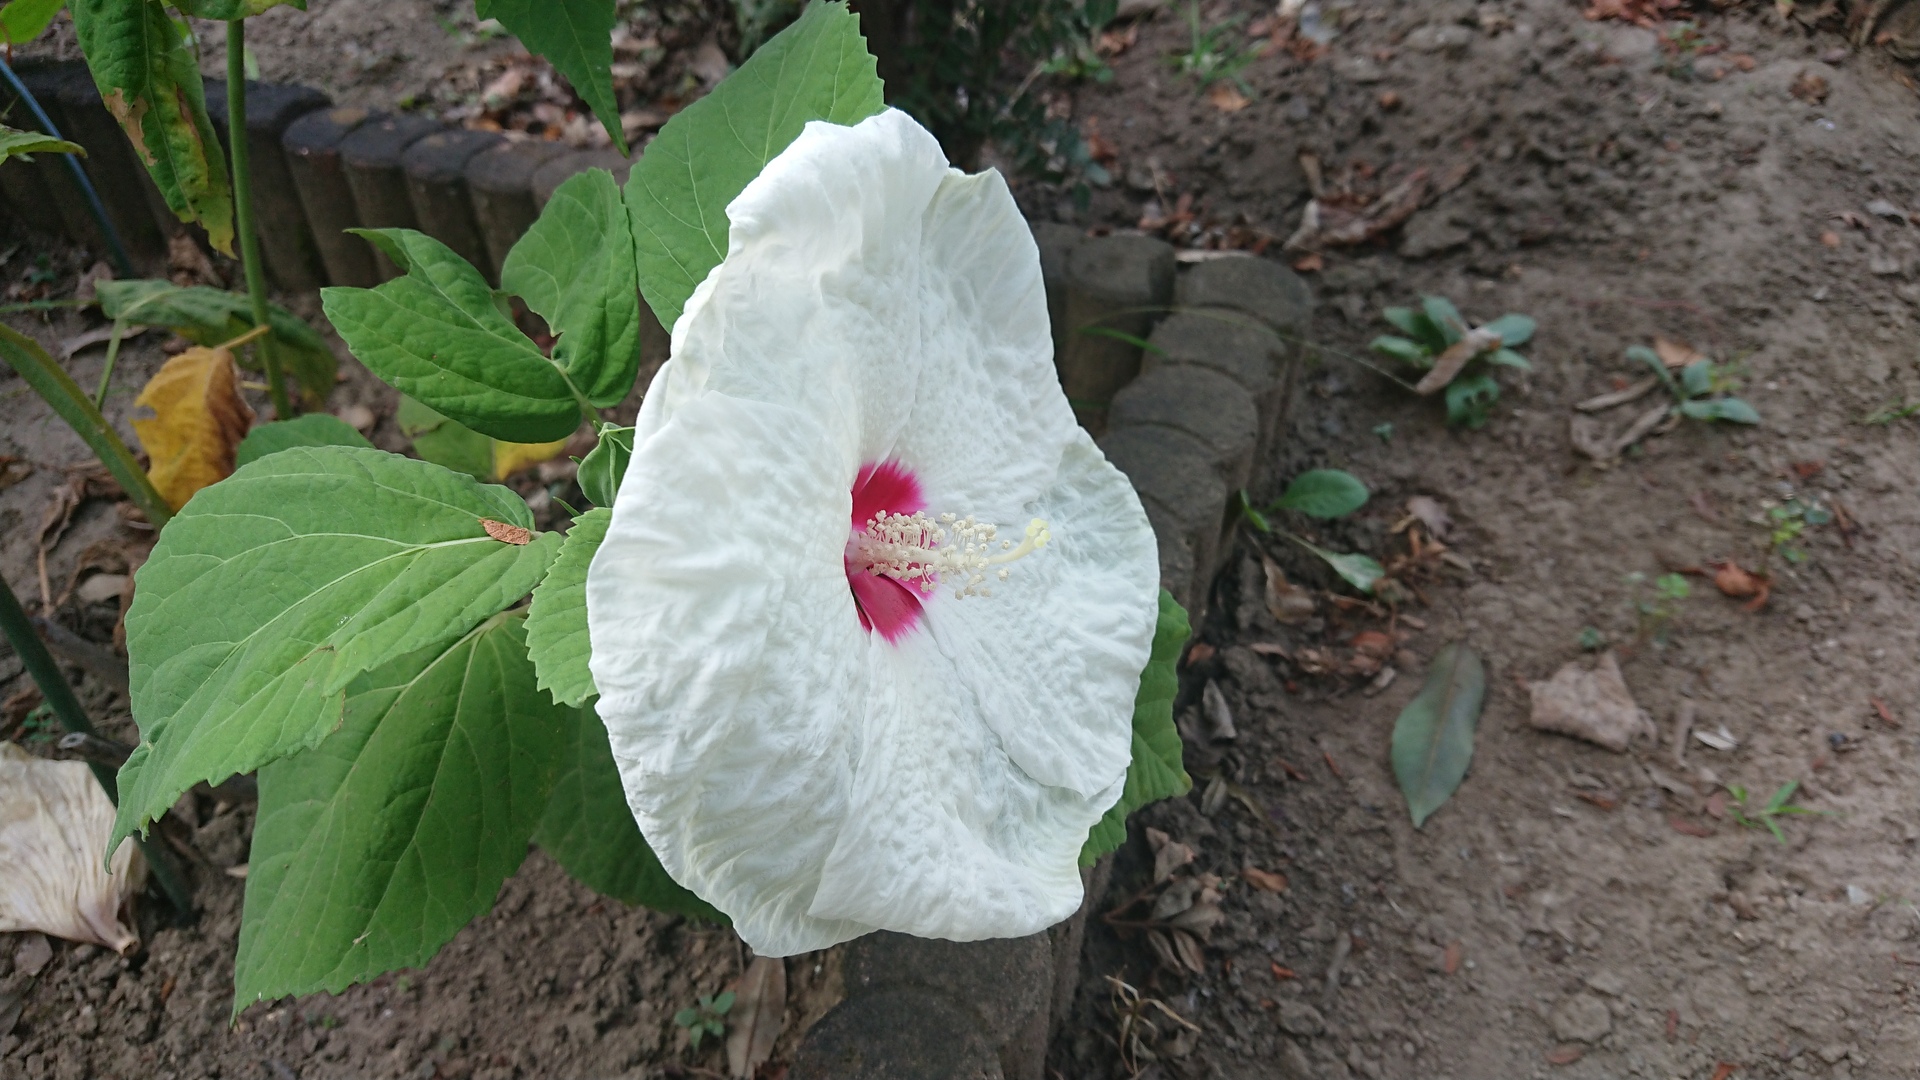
243	211
60	697
113	353
58	390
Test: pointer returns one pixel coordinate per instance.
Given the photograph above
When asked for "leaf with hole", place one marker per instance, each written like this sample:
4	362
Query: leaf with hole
557	622
278	586
589	830
816	69
375	847
312	429
1433	738
439	335
1156	771
1324	493
575	269
148	74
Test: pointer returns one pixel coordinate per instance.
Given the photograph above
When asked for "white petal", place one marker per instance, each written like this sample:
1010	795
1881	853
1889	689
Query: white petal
54	872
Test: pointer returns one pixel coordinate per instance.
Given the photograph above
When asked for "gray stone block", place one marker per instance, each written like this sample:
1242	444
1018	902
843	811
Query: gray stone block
1115	283
1056	243
897	1034
1260	287
371	158
120	179
1003	981
548	178
500	184
437	183
1175	473
1200	402
1237	346
311	146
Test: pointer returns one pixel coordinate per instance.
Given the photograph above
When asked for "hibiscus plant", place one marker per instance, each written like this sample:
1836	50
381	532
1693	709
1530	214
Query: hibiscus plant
786	672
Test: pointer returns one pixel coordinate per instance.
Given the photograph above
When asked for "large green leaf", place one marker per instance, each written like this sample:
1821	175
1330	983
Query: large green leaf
149	78
816	69
603	467
375	847
13	142
313	429
1156	771
1433	739
232	9
1324	493
576	37
557	622
575	268
443	441
207	316
273	589
439	335
23	20
590	831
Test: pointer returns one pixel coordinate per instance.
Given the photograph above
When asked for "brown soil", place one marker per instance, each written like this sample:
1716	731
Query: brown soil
1562	906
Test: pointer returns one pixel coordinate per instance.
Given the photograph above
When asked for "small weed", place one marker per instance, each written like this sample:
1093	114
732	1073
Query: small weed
1787	521
1324	494
1078	54
1891	413
1779	806
1591	639
1656	608
707	1018
40	725
1384	432
1701	392
1436	332
1213	54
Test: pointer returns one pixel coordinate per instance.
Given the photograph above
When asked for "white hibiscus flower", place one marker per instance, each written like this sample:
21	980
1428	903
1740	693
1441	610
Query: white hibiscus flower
839	700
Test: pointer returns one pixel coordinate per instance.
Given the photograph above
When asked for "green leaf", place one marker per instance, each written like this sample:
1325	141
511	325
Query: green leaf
1469	397
374	848
1400	348
1410	322
589	830
1730	409
1324	493
444	442
1696	379
1445	318
1513	329
1360	571
1433	739
437	335
23	20
207	316
14	143
312	429
557	622
602	469
576	38
1509	358
1652	359
273	589
816	69
575	268
232	9
1156	771
149	77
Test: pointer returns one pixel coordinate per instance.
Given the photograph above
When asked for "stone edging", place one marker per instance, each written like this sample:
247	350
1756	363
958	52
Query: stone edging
1190	420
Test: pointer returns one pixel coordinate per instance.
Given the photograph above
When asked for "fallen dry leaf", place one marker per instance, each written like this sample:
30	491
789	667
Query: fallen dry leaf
1594	705
1199	653
1286	602
1168	854
1446	366
199	419
507	534
1675	354
1603	801
1630	392
1265	880
1310	263
1886	714
1689	828
1342	222
1736	582
1810	88
54	824
1227	98
1213	704
759	1012
1432	515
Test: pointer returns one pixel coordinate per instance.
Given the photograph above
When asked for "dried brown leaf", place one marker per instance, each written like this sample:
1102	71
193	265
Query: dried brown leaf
1447	366
1594	705
1265	880
507	534
1675	354
1286	602
758	1015
199	419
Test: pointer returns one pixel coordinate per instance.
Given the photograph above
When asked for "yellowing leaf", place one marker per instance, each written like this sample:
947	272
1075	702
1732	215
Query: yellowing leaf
199	419
511	457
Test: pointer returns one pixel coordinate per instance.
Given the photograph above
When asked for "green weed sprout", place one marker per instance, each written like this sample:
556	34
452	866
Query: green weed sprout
1213	54
1702	390
1436	327
1779	806
1324	494
1787	521
708	1017
1656	612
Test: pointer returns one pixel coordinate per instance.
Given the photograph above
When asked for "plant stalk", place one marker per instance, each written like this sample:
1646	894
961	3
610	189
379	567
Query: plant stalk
113	353
58	390
243	211
60	697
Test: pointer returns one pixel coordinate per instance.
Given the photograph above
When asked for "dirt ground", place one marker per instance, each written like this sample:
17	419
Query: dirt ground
1571	912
